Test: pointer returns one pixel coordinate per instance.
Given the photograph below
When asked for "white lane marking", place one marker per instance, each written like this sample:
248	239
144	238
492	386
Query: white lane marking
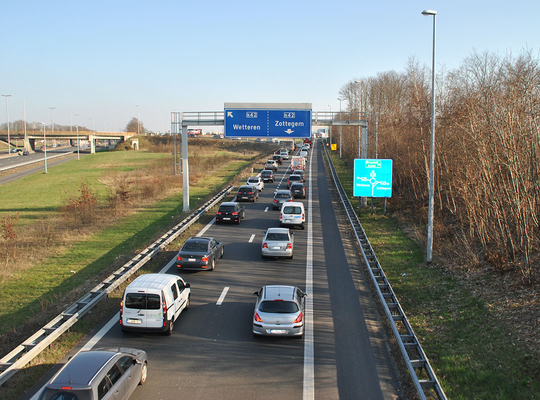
251	238
309	358
266	209
208	225
222	297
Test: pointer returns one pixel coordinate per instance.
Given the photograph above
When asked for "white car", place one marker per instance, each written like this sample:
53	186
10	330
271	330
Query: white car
257	182
284	154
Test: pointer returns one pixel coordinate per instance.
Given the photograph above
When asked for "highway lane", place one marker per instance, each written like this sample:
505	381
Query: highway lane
212	352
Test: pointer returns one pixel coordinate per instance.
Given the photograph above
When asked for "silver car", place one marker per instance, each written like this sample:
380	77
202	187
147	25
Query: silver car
279	311
278	242
99	374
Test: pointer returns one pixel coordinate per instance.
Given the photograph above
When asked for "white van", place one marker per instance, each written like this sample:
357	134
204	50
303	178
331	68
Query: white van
292	213
152	302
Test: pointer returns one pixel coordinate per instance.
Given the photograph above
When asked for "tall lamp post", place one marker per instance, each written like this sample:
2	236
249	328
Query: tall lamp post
138	126
52	120
340	99
45	144
78	143
7	115
432	155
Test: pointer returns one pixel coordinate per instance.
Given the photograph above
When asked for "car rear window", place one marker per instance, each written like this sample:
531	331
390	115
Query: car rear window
253	180
59	394
297	186
278	307
227	208
265	173
277	236
194	246
282	196
142	301
295	177
292	210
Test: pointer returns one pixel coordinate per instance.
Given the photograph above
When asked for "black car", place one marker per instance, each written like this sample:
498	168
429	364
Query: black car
199	252
267	175
298	190
247	193
230	211
277	158
280	197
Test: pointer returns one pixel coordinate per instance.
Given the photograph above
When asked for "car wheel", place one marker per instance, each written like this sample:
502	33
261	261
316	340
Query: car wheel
212	264
222	251
303	227
144	374
170	328
290	258
217	222
263	256
188	303
238	221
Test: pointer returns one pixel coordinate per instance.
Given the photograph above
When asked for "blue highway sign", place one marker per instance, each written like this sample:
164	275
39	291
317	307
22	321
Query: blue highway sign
372	178
283	123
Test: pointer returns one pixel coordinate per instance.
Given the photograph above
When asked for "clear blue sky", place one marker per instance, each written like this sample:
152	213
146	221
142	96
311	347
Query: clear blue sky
101	59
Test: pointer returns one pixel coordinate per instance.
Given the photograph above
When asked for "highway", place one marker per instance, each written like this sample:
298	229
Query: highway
213	354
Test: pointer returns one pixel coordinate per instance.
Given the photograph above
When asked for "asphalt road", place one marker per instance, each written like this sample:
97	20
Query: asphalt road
213	354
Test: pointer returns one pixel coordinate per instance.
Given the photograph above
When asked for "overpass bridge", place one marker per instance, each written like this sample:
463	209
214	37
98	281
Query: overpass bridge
91	136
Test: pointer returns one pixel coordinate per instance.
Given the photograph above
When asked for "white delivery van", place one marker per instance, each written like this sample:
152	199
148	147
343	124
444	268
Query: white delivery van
152	302
292	213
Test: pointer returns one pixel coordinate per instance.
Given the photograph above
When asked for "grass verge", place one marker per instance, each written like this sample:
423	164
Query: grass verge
474	354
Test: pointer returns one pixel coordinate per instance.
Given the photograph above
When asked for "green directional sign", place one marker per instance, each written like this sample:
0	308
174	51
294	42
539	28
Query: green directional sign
372	178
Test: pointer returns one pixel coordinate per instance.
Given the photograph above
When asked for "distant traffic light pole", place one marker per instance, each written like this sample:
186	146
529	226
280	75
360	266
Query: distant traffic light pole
7	115
432	155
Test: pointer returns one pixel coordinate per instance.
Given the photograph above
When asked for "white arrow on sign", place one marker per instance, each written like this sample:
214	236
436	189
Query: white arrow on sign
229	114
289	131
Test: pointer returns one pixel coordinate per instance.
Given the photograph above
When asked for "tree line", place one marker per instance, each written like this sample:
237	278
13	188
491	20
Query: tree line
487	153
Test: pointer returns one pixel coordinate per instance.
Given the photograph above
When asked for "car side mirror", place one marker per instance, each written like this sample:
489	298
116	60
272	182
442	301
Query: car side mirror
137	361
256	293
187	285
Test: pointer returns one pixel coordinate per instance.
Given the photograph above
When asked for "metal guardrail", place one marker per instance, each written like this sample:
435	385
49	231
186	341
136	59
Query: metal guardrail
422	374
35	344
34	161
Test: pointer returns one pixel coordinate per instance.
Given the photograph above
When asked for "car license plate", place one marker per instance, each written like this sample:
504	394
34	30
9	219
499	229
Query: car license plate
192	259
278	331
134	321
276	248
244	197
297	216
226	219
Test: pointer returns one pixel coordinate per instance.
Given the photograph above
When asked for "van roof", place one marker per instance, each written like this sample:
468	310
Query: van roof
150	281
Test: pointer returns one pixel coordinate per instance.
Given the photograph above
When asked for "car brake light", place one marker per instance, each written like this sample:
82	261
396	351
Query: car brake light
250	193
205	258
289	245
265	245
178	258
278	300
257	318
121	306
164	310
298	319
276	201
66	388
235	213
219	213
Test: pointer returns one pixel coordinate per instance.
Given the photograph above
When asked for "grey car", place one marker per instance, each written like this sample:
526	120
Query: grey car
104	374
280	197
279	311
278	242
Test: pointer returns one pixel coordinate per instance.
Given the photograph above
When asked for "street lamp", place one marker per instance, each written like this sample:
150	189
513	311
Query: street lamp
7	114
340	99
52	119
138	126
78	143
45	144
432	155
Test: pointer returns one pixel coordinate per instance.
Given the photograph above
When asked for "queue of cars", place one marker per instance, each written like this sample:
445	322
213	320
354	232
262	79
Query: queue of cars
153	302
